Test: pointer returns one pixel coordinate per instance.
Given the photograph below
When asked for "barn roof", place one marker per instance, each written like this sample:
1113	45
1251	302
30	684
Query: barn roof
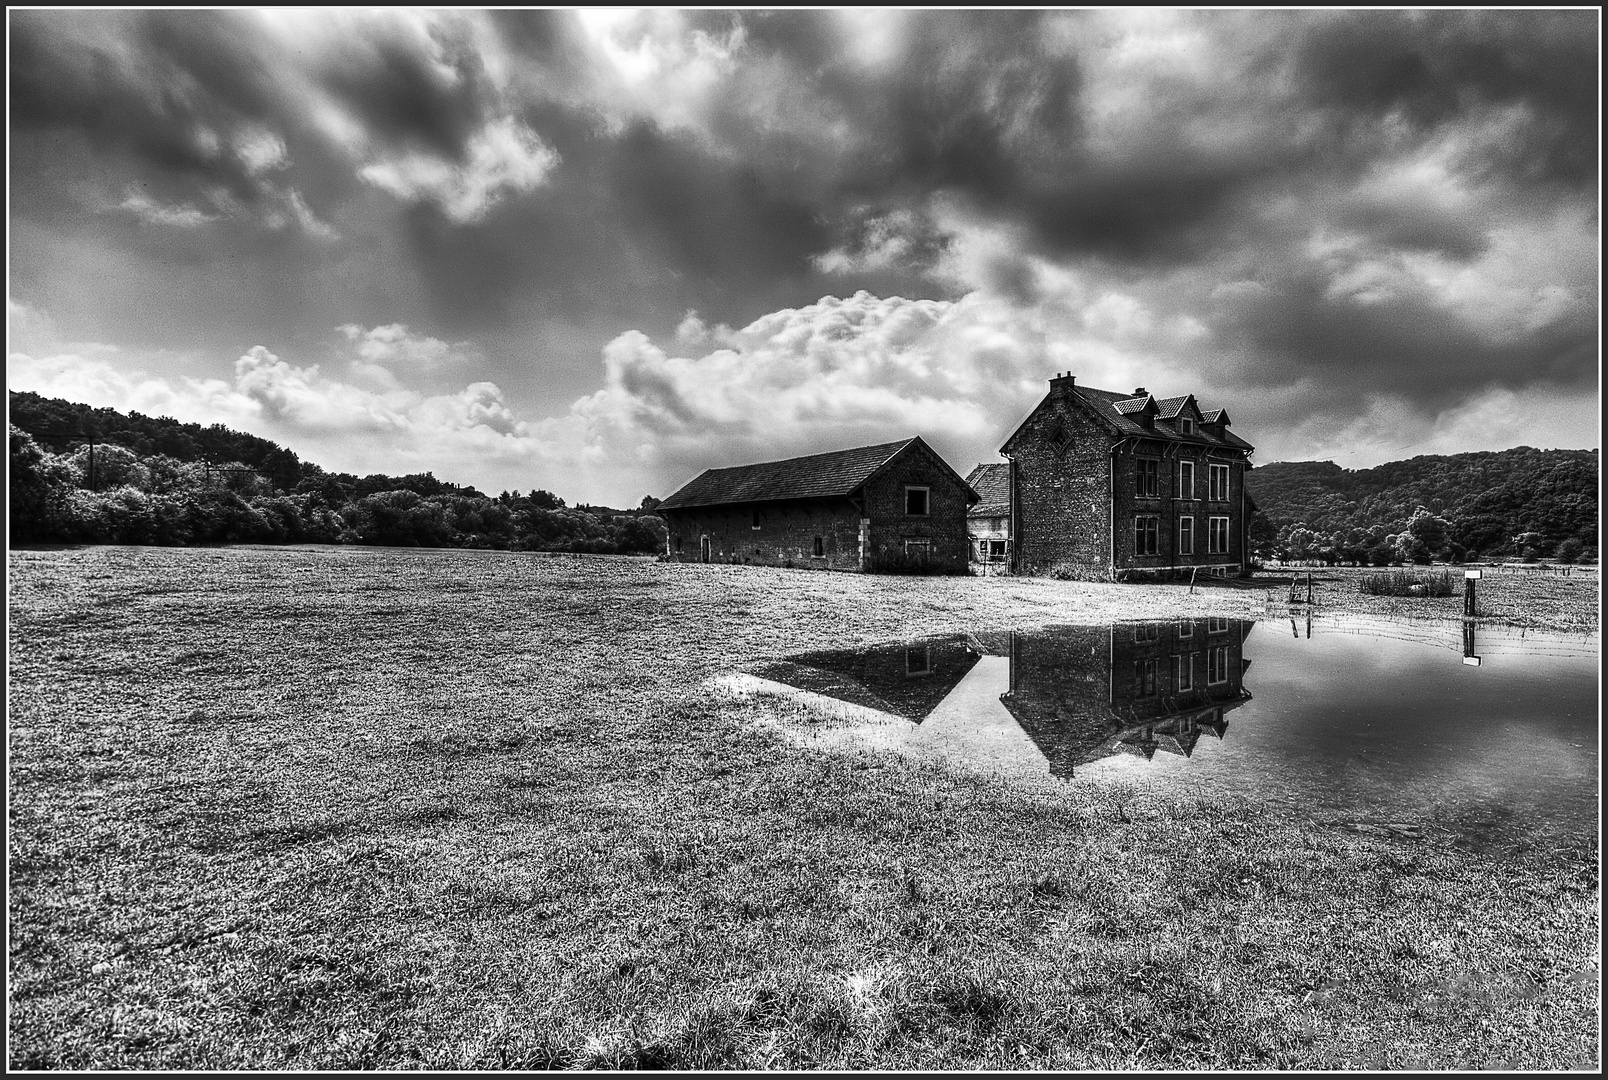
993	483
817	476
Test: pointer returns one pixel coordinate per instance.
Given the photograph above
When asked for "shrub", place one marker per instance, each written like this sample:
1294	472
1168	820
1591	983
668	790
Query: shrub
1570	550
1404	583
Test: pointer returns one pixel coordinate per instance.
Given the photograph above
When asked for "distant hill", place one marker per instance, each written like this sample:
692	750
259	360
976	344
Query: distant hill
85	475
1488	497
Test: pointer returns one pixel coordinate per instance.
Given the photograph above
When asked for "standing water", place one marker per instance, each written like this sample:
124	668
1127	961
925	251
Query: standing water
1487	733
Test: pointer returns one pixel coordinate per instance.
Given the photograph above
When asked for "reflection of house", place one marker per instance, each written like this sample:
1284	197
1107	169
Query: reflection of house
1109	481
988	523
848	510
1086	693
1079	693
907	679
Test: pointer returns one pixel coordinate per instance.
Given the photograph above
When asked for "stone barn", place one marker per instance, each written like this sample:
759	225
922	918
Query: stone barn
989	521
889	506
1104	483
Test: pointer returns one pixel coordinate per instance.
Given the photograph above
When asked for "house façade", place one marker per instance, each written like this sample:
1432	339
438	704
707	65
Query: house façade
1102	483
865	508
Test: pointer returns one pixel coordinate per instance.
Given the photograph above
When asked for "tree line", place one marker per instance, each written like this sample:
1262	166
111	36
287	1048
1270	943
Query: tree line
1524	504
83	475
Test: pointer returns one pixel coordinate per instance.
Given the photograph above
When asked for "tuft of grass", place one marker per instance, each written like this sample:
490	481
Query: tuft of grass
1408	583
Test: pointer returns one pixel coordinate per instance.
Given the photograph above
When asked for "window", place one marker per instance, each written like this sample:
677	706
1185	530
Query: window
678	543
918	660
1186	425
820	547
916	501
1058	435
1143	632
1144	678
1217	535
996	551
1186	536
1145	485
1215	625
1186	479
1184	672
755	525
1218	476
918	550
1145	530
1186	628
1217	665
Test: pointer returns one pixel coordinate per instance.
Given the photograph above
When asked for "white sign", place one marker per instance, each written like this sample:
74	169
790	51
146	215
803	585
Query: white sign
1473	575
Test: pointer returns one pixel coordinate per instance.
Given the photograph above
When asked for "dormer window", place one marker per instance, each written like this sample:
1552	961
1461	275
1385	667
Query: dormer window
1186	426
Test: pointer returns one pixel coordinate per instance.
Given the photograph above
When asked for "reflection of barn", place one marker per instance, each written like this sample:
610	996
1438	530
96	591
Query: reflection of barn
907	679
1086	693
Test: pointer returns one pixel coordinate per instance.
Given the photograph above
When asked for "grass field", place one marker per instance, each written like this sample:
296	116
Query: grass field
372	808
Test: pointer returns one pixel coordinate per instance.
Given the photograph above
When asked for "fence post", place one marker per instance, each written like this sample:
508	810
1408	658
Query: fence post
1469	578
1309	586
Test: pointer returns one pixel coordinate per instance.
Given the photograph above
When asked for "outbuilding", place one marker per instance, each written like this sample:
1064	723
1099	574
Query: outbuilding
891	506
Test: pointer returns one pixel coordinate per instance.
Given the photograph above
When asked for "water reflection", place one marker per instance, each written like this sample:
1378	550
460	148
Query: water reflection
1079	693
1359	719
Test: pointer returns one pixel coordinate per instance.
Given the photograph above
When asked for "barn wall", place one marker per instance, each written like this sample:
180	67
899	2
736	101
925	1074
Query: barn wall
785	537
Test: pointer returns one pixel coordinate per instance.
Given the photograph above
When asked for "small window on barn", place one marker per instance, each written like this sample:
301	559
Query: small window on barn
820	547
1058	435
916	501
755	525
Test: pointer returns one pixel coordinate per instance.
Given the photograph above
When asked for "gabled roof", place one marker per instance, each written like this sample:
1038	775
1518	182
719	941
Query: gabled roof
1117	411
816	476
1174	406
1121	414
993	484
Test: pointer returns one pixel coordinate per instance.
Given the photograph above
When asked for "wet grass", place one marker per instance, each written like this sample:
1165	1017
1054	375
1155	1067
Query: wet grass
314	812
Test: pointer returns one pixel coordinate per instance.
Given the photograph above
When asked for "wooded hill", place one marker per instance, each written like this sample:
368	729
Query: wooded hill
1501	503
81	474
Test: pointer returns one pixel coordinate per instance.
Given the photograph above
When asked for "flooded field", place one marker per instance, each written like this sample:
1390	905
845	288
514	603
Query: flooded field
1485	736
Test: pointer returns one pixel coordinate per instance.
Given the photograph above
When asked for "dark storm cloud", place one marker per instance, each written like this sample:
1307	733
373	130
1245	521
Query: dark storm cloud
978	104
1437	68
1404	345
131	91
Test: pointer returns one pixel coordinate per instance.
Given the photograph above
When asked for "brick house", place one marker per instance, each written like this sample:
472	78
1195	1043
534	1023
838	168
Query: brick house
1110	483
890	504
988	523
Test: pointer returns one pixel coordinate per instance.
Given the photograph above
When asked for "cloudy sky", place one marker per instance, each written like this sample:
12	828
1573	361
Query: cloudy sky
598	252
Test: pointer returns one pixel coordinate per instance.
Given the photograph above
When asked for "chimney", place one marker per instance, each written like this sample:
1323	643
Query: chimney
1140	391
1062	383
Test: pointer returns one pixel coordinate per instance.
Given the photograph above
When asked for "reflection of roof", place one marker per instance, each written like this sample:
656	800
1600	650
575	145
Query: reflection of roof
993	483
906	679
816	476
